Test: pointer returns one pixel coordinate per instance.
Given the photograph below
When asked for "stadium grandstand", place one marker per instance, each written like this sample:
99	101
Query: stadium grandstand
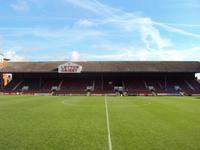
100	77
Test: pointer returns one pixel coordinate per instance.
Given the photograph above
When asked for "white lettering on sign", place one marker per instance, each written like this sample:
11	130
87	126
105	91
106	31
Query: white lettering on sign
69	68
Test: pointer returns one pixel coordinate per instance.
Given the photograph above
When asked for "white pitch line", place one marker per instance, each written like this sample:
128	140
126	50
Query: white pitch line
108	125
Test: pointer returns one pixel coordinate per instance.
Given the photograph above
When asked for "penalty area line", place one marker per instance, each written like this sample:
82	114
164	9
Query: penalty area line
108	124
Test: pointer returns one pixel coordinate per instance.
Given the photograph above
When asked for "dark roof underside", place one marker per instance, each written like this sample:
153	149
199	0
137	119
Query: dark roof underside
105	66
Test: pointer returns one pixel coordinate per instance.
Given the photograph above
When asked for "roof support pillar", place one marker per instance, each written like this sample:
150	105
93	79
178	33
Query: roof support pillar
165	82
101	82
1	78
40	84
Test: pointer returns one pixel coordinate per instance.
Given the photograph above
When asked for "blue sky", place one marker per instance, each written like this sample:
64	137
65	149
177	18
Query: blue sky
41	30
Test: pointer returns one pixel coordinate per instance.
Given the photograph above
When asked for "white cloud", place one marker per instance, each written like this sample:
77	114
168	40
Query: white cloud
94	6
176	30
13	56
69	35
126	21
130	21
151	35
156	47
75	56
1	41
143	54
20	5
86	23
181	24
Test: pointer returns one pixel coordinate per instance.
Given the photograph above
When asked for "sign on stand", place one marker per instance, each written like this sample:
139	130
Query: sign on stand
69	68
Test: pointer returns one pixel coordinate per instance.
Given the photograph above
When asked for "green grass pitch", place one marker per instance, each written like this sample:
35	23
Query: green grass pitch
79	123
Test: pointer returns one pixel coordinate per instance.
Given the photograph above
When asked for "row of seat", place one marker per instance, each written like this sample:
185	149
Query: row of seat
79	85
